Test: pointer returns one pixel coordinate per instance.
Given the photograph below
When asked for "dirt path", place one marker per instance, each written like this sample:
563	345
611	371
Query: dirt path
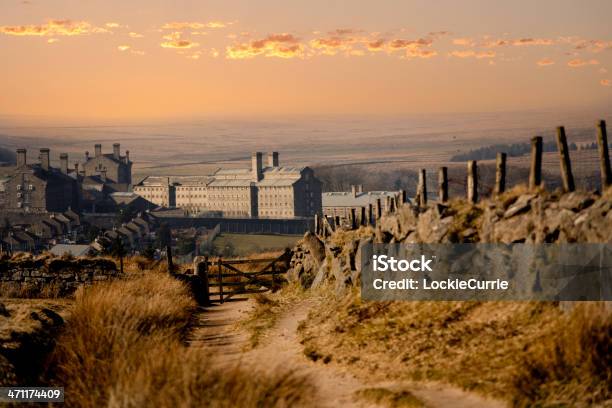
335	386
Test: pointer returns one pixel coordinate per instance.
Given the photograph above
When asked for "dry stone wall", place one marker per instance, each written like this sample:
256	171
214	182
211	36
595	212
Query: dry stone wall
64	275
518	216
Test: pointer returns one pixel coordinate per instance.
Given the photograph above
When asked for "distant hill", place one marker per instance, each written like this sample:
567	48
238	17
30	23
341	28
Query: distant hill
7	156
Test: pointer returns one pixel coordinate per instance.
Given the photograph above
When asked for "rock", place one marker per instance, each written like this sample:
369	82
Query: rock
576	201
320	277
315	247
521	205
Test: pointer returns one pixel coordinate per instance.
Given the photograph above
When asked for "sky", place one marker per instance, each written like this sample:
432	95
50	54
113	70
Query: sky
154	59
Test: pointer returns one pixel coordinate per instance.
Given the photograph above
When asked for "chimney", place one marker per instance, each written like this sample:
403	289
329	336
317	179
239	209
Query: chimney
354	190
76	169
273	159
86	155
98	148
103	175
256	166
116	151
127	156
64	163
21	157
44	158
360	188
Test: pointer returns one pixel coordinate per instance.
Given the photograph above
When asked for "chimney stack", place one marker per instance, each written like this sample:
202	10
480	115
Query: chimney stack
64	163
257	166
127	156
44	158
354	190
98	148
116	151
103	175
273	159
86	155
21	157
76	169
360	188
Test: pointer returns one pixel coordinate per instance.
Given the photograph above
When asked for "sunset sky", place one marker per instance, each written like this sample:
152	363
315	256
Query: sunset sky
186	58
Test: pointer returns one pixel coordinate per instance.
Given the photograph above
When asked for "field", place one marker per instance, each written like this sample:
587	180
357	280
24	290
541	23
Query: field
247	244
373	144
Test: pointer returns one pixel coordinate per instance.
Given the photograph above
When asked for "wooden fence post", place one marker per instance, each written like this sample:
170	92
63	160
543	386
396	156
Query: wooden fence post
421	197
535	167
443	184
202	273
472	181
378	209
403	197
566	165
370	215
362	217
169	259
220	278
604	155
337	223
316	225
353	219
500	173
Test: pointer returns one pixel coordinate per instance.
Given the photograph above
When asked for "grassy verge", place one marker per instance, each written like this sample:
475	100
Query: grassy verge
526	353
123	346
267	311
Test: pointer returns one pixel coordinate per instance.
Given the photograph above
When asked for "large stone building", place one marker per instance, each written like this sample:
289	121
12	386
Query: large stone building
38	187
270	191
340	203
111	169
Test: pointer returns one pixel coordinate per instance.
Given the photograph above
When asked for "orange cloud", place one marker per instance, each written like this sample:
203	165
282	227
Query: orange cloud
53	28
274	45
473	54
194	25
544	62
577	63
594	46
376	45
175	40
135	35
605	82
467	42
123	48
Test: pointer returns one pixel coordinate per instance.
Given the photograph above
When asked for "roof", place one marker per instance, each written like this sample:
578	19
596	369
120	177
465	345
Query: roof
230	183
68	249
125	198
346	199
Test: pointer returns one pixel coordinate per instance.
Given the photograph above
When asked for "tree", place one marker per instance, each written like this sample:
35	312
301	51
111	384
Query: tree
149	252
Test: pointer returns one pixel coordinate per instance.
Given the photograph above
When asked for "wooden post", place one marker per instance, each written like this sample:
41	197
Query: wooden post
202	273
566	165
337	223
220	278
443	184
403	197
604	155
378	209
370	215
169	258
500	173
363	218
472	181
535	168
392	205
353	219
421	197
387	204
316	225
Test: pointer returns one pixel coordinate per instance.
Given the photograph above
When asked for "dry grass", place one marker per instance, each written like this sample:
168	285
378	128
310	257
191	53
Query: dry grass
389	398
267	311
532	349
123	346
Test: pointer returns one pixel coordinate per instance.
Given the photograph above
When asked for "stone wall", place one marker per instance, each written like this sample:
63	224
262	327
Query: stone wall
30	275
518	216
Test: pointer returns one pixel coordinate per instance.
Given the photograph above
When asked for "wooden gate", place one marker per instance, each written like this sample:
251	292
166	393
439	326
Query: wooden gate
223	280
